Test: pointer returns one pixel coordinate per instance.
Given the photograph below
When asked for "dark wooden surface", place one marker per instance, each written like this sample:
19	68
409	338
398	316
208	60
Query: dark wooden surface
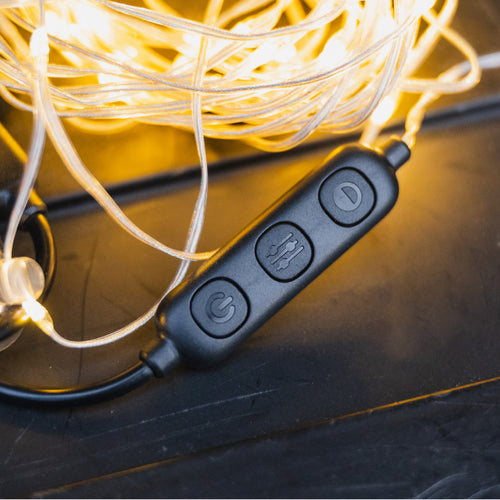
447	447
412	310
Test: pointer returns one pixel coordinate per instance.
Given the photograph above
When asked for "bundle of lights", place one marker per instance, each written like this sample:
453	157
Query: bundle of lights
267	72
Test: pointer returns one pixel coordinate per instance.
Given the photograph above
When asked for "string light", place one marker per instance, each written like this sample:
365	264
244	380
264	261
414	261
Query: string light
267	72
35	311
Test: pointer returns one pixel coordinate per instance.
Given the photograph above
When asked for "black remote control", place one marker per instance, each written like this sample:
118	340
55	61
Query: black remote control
281	252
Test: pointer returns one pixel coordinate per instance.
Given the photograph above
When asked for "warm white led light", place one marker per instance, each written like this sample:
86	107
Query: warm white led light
384	110
35	311
39	43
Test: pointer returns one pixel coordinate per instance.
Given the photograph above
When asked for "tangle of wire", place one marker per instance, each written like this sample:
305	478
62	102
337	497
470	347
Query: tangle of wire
267	72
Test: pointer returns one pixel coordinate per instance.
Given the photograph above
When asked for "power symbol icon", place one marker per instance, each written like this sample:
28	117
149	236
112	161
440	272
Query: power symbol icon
347	196
220	308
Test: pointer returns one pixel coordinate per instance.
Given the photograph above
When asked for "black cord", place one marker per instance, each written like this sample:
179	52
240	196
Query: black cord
157	361
93	393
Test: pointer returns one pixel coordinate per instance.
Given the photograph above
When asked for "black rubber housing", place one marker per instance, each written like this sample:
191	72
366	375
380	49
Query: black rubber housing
195	328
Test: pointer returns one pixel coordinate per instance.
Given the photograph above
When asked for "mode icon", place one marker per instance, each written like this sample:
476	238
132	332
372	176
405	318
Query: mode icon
284	251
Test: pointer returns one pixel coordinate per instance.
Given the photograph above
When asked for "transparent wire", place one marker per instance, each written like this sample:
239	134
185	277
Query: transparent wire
267	72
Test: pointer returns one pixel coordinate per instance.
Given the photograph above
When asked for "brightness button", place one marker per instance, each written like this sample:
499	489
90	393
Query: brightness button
347	197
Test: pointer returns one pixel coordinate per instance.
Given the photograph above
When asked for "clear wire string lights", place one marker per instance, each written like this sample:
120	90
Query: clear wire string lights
267	72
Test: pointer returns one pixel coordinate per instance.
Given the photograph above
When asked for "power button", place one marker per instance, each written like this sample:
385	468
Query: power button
347	197
219	307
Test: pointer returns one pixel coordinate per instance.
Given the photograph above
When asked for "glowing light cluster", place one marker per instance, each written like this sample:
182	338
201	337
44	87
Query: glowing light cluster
272	72
268	72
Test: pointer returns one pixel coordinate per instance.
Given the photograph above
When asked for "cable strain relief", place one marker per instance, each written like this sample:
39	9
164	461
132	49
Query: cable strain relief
396	152
162	357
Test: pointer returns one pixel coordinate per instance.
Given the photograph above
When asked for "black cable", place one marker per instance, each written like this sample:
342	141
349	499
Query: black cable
93	393
157	361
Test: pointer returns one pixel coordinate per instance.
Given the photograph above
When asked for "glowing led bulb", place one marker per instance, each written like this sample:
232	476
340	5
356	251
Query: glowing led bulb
34	310
39	43
285	53
333	53
384	26
192	44
383	111
242	28
92	19
106	78
130	52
